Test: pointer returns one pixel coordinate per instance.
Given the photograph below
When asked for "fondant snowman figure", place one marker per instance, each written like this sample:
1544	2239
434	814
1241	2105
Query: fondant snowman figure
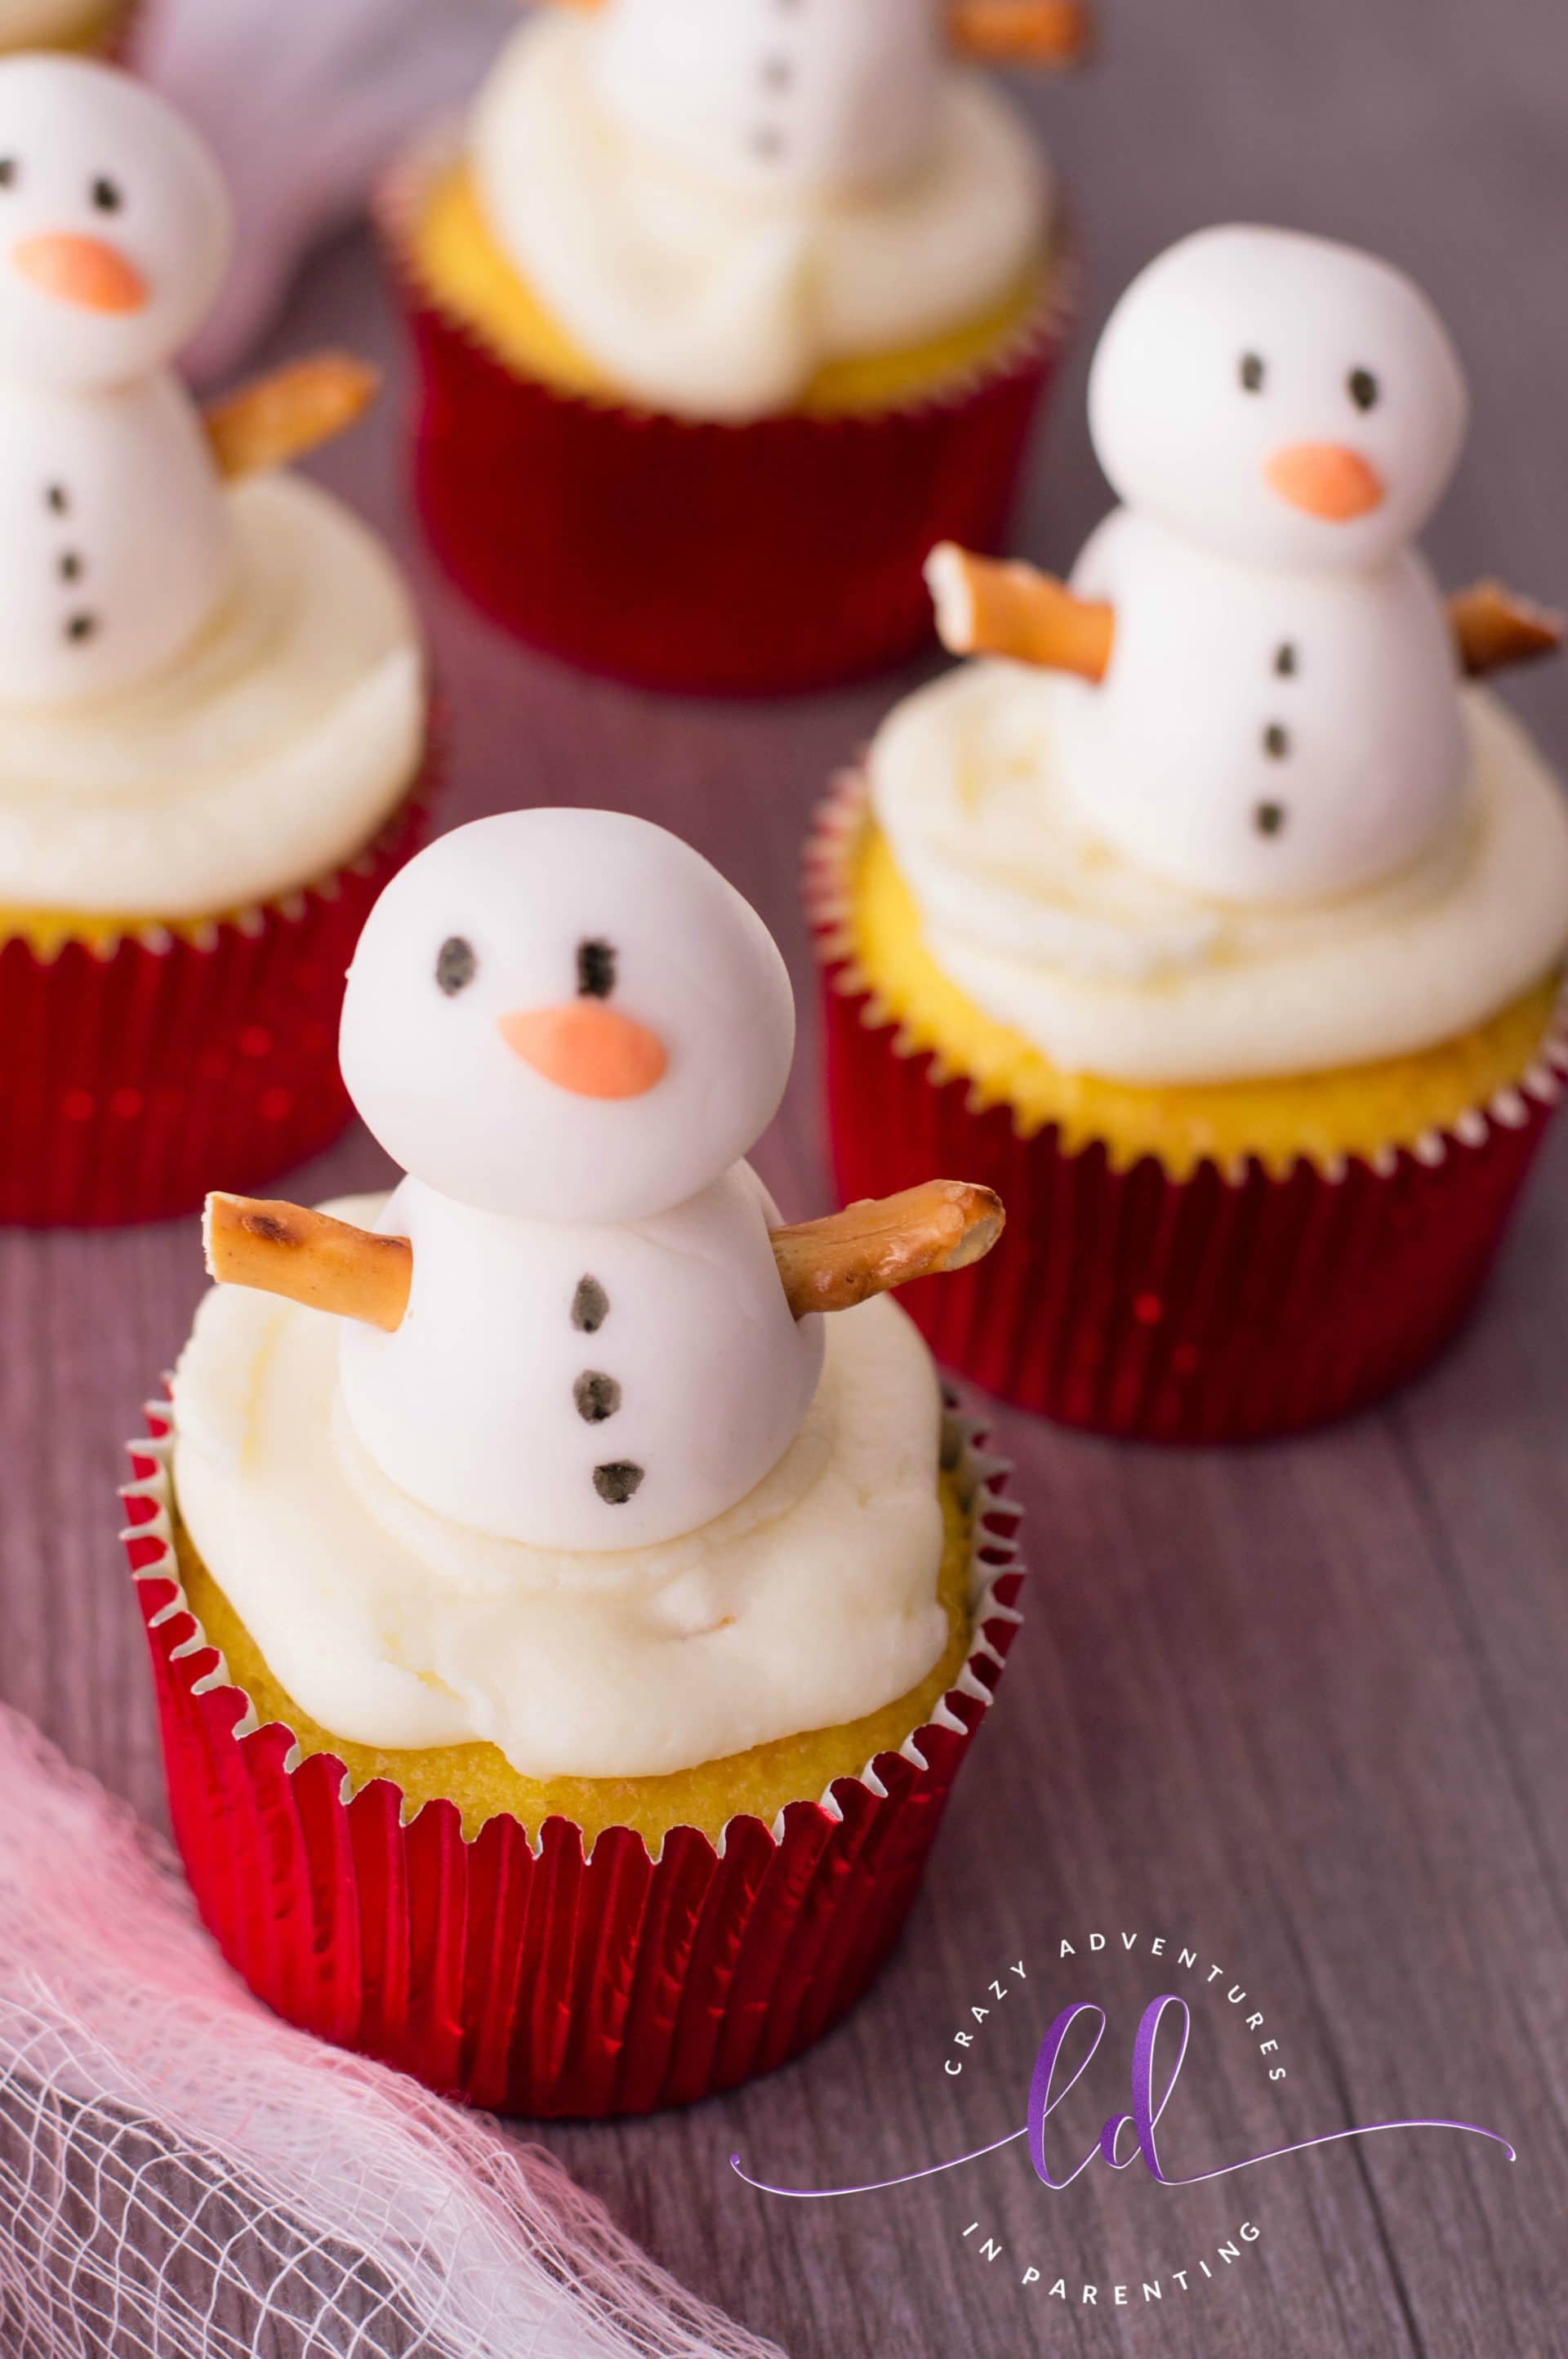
113	236
569	1029
1268	708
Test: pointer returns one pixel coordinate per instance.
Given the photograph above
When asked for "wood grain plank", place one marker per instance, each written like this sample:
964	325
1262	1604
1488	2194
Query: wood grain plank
1300	1707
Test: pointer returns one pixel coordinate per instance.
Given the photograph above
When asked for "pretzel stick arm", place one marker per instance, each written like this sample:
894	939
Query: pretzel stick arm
1495	627
1004	32
984	608
833	1263
281	415
1021	32
308	1257
828	1265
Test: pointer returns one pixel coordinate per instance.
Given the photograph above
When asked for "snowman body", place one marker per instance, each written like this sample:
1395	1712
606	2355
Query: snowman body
651	1374
763	96
1262	733
1280	718
118	538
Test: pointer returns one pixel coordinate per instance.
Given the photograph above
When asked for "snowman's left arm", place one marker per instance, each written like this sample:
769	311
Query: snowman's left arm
290	411
883	1242
1021	32
1494	628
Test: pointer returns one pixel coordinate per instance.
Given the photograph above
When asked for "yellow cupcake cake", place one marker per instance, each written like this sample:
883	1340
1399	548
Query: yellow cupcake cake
754	272
542	1494
213	711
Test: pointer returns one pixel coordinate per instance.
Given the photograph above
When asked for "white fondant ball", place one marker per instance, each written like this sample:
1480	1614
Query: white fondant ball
517	903
1239	343
838	95
90	155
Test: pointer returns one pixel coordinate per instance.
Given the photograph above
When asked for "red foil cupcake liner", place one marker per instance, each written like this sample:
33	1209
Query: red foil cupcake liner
135	1077
511	1970
1229	1306
714	559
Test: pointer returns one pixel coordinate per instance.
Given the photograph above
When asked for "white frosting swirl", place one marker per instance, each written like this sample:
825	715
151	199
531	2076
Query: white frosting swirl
265	756
724	302
813	1601
1108	970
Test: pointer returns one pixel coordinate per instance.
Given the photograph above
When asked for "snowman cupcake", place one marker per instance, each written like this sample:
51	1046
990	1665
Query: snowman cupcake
1212	916
565	1634
725	311
212	708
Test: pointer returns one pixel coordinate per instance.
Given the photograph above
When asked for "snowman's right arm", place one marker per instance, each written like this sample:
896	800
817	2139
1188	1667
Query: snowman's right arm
308	1257
989	609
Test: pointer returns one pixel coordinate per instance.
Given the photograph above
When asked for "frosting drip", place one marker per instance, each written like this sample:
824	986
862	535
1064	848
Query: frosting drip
812	1601
724	302
265	756
1106	968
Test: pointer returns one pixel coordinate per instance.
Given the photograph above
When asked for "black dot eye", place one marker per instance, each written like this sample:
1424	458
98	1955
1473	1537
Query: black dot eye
106	195
1251	372
595	970
10	171
455	965
1363	388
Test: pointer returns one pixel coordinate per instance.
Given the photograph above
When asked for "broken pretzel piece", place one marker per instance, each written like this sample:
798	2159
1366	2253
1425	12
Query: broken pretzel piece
883	1242
992	609
1495	627
280	417
1003	32
1021	32
827	1264
308	1257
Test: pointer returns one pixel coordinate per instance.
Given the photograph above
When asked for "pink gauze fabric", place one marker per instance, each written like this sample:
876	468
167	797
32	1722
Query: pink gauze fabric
305	101
183	2175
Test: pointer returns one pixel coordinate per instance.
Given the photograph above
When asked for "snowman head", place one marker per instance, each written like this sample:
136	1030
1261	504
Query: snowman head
566	1015
1278	399
114	225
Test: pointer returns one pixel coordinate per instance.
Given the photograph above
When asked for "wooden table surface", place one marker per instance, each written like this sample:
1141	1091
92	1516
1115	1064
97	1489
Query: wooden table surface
1299	1708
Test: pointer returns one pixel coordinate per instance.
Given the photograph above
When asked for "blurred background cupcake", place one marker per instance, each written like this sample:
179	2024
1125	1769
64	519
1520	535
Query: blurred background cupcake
1211	920
565	1651
212	703
723	314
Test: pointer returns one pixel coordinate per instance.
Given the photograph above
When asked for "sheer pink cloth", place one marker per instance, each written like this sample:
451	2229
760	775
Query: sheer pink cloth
305	101
181	2174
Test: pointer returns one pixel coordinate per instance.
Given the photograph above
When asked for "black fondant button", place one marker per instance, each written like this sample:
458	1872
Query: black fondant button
590	1306
597	1396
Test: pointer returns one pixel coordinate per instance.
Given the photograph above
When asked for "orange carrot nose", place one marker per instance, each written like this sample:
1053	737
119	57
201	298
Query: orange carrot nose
586	1047
1324	479
82	270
